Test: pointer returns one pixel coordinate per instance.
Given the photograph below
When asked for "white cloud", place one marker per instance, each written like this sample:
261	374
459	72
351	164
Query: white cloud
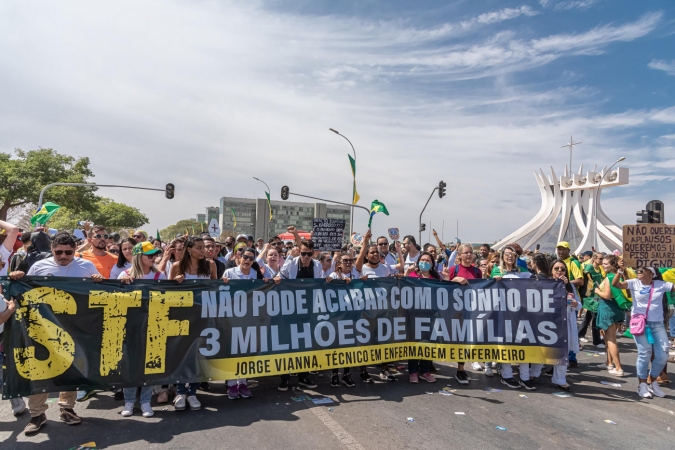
568	4
668	67
207	95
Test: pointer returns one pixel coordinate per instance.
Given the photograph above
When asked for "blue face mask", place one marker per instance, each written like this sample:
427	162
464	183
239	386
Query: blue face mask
425	266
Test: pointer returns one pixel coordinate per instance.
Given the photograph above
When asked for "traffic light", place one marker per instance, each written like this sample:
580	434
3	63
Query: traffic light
643	216
284	193
655	209
169	191
423	227
441	189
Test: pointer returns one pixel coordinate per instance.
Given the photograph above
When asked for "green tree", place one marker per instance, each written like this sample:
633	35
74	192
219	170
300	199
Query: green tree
181	227
22	178
112	215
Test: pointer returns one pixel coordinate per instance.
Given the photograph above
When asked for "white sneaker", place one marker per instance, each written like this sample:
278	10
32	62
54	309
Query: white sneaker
128	409
643	391
616	373
194	403
488	371
476	366
655	389
583	339
179	402
600	345
605	366
18	405
147	410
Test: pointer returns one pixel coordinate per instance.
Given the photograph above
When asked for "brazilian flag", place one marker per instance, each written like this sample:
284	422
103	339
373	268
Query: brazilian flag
375	207
45	213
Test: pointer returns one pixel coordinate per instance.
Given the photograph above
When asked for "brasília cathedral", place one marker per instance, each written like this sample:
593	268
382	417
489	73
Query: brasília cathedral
570	211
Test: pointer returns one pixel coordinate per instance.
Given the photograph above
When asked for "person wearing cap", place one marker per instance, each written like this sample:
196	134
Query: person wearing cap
648	296
250	241
140	235
142	268
240	239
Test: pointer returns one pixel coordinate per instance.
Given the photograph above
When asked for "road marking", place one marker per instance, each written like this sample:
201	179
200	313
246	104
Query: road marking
343	436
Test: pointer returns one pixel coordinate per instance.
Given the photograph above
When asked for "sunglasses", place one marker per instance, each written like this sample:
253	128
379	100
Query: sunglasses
347	261
277	244
138	236
381	244
61	252
642	271
150	256
559	269
306	253
241	250
247	258
101	236
114	252
328	260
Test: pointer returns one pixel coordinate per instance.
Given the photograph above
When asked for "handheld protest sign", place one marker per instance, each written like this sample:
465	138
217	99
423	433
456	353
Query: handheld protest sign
327	234
214	228
393	234
357	239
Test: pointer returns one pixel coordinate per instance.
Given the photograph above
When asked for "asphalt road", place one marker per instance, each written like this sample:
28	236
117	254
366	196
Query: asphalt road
376	416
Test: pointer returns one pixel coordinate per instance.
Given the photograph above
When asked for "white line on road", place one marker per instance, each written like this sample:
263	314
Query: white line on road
343	436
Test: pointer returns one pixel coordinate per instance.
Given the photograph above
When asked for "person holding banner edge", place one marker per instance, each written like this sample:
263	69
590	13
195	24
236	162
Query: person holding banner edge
62	264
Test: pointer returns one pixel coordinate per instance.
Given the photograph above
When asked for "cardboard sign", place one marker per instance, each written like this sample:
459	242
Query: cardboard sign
327	234
214	228
393	234
649	245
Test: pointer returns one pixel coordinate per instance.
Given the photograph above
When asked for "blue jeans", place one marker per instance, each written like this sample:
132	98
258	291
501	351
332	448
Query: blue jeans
189	391
671	325
660	349
417	366
130	394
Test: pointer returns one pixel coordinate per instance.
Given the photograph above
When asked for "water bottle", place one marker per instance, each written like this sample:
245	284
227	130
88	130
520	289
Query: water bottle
648	333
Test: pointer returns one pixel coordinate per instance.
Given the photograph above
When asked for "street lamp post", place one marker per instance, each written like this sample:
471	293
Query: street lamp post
351	225
266	229
596	235
169	190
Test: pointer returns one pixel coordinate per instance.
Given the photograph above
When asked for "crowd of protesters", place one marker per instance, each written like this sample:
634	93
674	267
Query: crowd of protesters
600	291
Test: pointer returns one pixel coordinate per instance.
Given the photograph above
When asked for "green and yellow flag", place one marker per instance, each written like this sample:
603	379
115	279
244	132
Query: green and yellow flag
269	203
45	213
234	218
356	197
375	207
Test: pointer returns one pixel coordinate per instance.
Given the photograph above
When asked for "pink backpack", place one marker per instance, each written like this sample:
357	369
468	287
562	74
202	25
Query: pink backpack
638	322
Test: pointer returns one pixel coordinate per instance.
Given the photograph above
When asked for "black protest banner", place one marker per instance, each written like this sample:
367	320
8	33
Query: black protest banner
327	234
649	245
72	334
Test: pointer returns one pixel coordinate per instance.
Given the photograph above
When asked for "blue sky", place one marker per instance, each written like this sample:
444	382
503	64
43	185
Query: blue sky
479	94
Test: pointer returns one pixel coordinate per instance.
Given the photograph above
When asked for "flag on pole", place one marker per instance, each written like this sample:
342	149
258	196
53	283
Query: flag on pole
202	224
375	207
356	197
269	203
45	213
193	229
234	218
158	236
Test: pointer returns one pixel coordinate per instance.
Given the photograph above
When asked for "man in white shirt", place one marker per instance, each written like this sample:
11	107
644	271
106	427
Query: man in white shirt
62	264
383	247
7	246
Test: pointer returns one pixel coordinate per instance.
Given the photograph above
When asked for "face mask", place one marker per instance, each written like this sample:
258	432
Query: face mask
425	266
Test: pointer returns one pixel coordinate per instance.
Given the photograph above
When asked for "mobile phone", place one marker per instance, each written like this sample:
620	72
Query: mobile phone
538	245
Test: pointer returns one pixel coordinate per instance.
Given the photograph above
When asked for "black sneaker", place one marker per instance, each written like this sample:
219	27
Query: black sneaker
68	416
306	382
462	377
347	380
527	384
119	395
205	386
511	382
335	380
35	424
283	386
574	364
365	377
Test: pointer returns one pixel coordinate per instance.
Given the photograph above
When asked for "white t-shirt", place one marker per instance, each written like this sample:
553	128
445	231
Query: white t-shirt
353	275
390	259
235	273
150	276
382	270
640	294
5	258
410	261
78	268
116	271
